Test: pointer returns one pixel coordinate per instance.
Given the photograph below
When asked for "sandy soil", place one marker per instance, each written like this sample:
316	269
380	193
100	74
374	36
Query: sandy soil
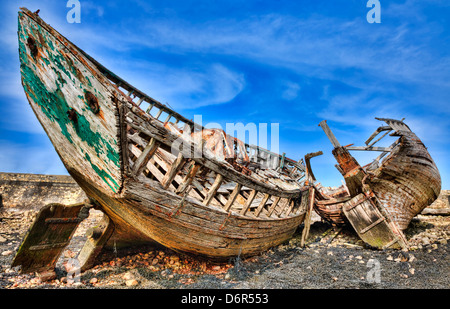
334	258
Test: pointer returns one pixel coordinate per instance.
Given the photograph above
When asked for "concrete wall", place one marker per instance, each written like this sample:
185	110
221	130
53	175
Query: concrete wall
32	191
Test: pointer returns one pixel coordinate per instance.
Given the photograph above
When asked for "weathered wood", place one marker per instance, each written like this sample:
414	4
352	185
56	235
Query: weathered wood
233	197
307	221
174	169
248	202
262	204
371	225
323	124
145	156
45	240
188	178
362	148
436	211
96	239
274	205
212	191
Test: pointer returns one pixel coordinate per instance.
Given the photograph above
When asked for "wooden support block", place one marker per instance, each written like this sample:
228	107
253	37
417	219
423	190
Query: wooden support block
212	191
174	169
145	156
233	197
248	202
94	244
307	222
261	205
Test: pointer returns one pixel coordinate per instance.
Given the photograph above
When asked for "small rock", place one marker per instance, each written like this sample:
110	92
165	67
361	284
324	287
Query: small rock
131	282
359	257
7	252
330	253
93	281
128	276
411	271
425	241
390	258
443	241
2	239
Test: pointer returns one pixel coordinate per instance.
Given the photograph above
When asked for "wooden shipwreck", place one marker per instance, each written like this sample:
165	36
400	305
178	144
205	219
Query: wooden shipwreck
156	175
160	178
380	199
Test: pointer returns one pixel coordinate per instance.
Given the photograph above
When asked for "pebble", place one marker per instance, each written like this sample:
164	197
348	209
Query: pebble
131	282
7	252
128	276
93	281
2	239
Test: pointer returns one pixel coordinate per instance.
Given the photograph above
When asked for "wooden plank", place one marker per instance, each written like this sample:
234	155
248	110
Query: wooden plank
44	242
329	134
274	204
145	156
307	223
377	131
370	224
233	197
362	148
188	178
262	204
212	191
248	202
174	169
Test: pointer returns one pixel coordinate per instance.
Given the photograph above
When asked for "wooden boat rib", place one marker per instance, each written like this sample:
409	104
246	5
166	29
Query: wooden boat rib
381	198
222	203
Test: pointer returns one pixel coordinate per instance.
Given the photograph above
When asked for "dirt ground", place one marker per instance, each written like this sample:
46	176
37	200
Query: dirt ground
334	258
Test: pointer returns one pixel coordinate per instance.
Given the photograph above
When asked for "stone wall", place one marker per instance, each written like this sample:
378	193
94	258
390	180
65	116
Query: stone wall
33	191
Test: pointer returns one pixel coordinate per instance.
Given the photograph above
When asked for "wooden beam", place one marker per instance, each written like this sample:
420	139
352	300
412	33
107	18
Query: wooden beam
138	103
362	148
174	169
212	191
145	156
261	205
274	204
188	178
329	134
248	202
233	197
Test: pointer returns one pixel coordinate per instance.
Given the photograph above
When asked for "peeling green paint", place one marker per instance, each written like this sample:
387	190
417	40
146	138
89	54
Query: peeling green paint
104	175
55	107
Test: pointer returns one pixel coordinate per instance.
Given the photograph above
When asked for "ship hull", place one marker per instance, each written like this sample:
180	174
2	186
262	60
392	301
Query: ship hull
96	130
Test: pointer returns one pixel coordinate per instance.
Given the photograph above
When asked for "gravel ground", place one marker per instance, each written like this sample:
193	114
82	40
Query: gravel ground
335	258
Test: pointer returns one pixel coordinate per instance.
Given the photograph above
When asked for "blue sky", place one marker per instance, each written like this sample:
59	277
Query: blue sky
289	62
